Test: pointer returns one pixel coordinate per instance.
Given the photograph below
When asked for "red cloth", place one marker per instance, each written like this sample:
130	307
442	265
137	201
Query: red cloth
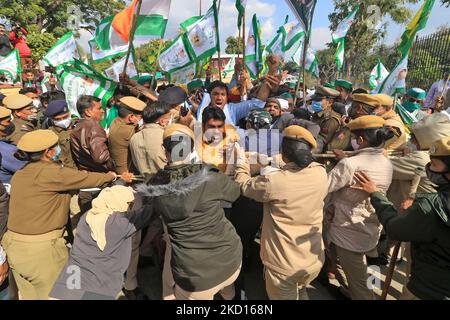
20	43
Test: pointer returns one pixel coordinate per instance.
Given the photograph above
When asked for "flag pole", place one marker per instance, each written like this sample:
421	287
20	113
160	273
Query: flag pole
305	50
218	52
200	7
238	42
133	30
243	42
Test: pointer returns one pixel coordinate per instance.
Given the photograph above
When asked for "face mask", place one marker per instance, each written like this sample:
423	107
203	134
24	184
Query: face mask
316	106
37	103
355	144
438	178
9	129
32	117
58	153
63	123
411	106
140	123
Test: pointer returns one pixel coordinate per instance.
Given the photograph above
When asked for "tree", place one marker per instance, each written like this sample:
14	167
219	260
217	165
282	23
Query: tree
365	33
234	45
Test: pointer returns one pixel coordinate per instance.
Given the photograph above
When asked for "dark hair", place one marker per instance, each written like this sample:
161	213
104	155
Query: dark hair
85	102
217	84
121	91
28	90
154	111
163	87
301	113
376	137
182	143
360	90
212	113
122	111
297	151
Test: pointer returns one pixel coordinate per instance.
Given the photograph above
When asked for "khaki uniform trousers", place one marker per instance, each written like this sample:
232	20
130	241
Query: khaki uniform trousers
282	287
226	290
36	261
351	272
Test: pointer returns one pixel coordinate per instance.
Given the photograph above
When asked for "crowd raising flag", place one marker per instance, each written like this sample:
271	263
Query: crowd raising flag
395	82
117	68
338	37
240	6
253	51
10	65
378	74
81	79
304	11
229	68
64	51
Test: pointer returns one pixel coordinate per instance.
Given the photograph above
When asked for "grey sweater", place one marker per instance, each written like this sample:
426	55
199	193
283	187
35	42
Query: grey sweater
92	274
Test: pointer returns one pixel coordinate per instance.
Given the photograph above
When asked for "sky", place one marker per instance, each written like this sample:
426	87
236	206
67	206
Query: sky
272	13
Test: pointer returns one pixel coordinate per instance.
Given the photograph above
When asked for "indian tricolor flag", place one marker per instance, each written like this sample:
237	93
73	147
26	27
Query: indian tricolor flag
113	34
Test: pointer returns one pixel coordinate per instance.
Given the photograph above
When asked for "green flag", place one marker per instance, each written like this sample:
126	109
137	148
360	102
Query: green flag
378	74
338	36
175	55
10	65
81	79
253	52
229	68
240	6
417	23
64	51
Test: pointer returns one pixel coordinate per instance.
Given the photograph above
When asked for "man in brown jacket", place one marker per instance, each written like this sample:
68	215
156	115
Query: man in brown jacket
89	145
292	249
38	213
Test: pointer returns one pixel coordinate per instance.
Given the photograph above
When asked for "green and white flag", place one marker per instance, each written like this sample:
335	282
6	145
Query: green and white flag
183	75
80	80
253	52
10	65
64	51
116	69
174	56
288	36
101	47
378	74
395	82
312	65
338	36
229	68
202	37
240	6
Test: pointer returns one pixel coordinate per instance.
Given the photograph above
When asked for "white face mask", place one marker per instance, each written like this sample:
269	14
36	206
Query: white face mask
355	144
37	103
63	123
140	123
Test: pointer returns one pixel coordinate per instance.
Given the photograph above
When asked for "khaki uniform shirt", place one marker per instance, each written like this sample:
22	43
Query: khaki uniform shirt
40	196
147	151
399	141
291	239
22	127
354	225
329	123
64	143
120	134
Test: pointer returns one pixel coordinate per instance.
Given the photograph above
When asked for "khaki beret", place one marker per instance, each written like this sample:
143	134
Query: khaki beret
38	140
324	92
4	112
297	133
384	99
365	98
430	129
366	122
176	129
441	148
17	101
133	103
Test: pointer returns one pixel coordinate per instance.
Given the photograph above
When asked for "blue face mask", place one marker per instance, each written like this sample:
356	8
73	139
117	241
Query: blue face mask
317	106
58	153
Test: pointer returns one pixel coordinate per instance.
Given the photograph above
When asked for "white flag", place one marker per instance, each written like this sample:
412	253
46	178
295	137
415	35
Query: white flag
64	51
378	74
174	56
11	65
395	82
116	69
184	75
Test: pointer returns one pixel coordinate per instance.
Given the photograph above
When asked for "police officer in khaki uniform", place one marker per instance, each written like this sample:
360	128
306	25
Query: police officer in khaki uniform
38	213
61	124
328	120
24	113
121	131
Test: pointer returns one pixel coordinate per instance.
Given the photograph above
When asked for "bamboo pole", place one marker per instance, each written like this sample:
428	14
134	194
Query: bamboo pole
200	7
155	66
243	42
305	50
133	30
218	52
